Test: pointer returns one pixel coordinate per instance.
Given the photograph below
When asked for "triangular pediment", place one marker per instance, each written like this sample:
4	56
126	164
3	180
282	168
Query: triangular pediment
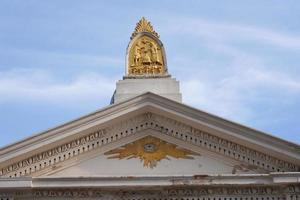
194	143
152	154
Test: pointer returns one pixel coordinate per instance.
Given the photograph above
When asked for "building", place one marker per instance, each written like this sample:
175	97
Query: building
148	145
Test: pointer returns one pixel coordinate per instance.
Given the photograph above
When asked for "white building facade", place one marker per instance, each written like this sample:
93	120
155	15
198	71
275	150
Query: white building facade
148	145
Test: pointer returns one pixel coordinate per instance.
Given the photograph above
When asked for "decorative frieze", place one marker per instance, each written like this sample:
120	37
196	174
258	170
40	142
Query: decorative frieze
251	158
169	193
59	152
254	159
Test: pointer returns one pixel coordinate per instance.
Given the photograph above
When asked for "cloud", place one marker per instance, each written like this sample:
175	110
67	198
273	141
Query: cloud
231	90
225	32
233	81
56	59
40	85
235	95
240	86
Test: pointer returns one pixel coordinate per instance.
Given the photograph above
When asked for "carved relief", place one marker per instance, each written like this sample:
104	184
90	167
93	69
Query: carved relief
144	26
150	151
145	56
142	122
52	156
291	192
246	168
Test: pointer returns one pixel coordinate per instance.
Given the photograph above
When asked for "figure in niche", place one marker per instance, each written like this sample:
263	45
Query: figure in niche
137	55
146	57
146	60
156	64
154	56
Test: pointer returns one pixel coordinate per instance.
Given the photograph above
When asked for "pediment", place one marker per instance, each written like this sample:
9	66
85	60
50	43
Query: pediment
151	154
80	148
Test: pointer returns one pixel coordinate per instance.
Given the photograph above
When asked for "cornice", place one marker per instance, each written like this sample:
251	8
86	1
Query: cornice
242	187
151	181
136	125
150	102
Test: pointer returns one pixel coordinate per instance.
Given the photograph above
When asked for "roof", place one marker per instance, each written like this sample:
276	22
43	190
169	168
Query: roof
149	102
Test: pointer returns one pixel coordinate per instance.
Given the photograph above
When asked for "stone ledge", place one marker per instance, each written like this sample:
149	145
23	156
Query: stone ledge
150	181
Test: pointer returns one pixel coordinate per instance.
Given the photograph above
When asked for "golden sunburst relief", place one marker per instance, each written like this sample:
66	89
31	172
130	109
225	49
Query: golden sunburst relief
150	151
144	26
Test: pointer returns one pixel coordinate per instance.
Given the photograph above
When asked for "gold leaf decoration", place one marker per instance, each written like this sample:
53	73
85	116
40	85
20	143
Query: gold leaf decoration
143	26
150	151
146	58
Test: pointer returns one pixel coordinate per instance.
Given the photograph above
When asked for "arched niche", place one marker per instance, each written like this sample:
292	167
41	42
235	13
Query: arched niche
145	56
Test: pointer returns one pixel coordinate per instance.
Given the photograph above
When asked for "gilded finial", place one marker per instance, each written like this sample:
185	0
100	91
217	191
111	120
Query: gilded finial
146	53
144	26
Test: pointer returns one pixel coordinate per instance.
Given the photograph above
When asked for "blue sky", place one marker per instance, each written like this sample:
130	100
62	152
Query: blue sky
60	60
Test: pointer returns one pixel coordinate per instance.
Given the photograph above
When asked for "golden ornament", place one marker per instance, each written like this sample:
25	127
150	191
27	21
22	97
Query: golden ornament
150	151
146	54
